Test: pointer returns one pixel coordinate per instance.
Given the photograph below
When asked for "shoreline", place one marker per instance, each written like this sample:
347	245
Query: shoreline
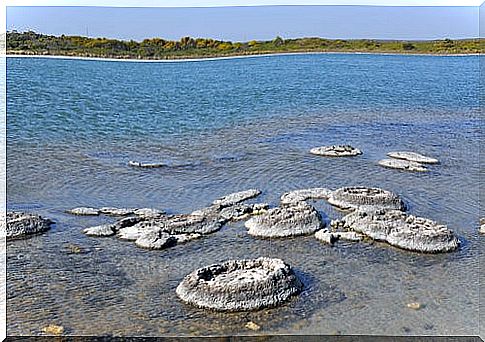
202	59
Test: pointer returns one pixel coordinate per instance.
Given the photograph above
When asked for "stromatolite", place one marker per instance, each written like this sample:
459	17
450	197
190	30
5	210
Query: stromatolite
331	237
482	225
20	224
292	220
358	196
88	211
236	197
296	196
239	285
242	211
336	151
402	230
402	165
156	240
413	156
111	228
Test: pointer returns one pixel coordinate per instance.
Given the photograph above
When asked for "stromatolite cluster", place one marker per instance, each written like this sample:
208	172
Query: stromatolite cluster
402	230
292	220
336	151
20	224
239	285
349	198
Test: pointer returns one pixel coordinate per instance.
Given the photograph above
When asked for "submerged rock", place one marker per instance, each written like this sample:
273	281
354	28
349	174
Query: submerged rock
239	285
403	165
236	197
296	196
414	157
20	224
156	240
336	151
84	211
242	211
350	198
294	220
402	230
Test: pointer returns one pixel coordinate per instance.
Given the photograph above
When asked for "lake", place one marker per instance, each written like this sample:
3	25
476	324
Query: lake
231	125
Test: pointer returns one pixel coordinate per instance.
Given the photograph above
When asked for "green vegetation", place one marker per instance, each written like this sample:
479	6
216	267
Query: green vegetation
32	43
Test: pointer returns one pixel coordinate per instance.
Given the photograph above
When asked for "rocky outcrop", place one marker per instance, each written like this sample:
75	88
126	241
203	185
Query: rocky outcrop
239	285
336	151
20	224
292	220
296	196
402	230
236	197
413	157
350	198
402	165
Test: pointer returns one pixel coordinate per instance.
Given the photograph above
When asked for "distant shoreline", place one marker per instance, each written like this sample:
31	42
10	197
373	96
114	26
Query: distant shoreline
202	59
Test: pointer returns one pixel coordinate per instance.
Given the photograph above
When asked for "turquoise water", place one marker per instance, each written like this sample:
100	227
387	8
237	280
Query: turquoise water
230	125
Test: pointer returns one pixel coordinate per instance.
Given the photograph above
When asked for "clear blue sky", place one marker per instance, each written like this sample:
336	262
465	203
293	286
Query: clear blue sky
247	23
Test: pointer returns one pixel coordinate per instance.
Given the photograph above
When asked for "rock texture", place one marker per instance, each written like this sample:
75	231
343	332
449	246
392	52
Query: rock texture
350	198
414	157
402	230
242	211
236	197
402	165
296	196
336	151
294	220
239	285
19	224
84	211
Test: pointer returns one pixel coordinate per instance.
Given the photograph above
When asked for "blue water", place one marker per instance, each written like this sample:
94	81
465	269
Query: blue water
230	125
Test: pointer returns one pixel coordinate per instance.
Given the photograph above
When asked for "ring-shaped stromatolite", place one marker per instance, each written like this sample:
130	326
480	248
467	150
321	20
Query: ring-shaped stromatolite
414	157
19	224
239	285
402	230
402	164
301	195
336	151
349	198
293	220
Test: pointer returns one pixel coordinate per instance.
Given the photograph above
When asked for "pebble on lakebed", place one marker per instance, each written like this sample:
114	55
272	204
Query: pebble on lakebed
240	285
403	165
293	220
20	224
336	151
350	198
402	230
413	157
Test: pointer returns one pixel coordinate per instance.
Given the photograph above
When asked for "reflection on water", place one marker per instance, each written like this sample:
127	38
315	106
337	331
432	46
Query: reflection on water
235	125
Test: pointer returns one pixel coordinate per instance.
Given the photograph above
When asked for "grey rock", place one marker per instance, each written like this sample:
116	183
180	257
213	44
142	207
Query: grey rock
402	165
482	225
146	165
402	230
413	157
336	151
242	211
84	211
100	231
294	220
148	212
188	224
239	285
332	237
326	236
116	211
213	210
236	197
156	240
350	198
296	196
20	224
182	238
133	232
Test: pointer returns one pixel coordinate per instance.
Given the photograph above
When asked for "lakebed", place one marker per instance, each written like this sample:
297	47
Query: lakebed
224	126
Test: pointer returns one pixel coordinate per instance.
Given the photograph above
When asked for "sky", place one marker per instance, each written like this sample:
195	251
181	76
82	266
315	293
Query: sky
252	22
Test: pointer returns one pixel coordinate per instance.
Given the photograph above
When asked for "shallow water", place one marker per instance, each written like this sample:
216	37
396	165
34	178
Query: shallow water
231	125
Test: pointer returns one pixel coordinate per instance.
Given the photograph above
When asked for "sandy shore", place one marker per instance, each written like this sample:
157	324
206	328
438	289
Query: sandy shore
232	57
